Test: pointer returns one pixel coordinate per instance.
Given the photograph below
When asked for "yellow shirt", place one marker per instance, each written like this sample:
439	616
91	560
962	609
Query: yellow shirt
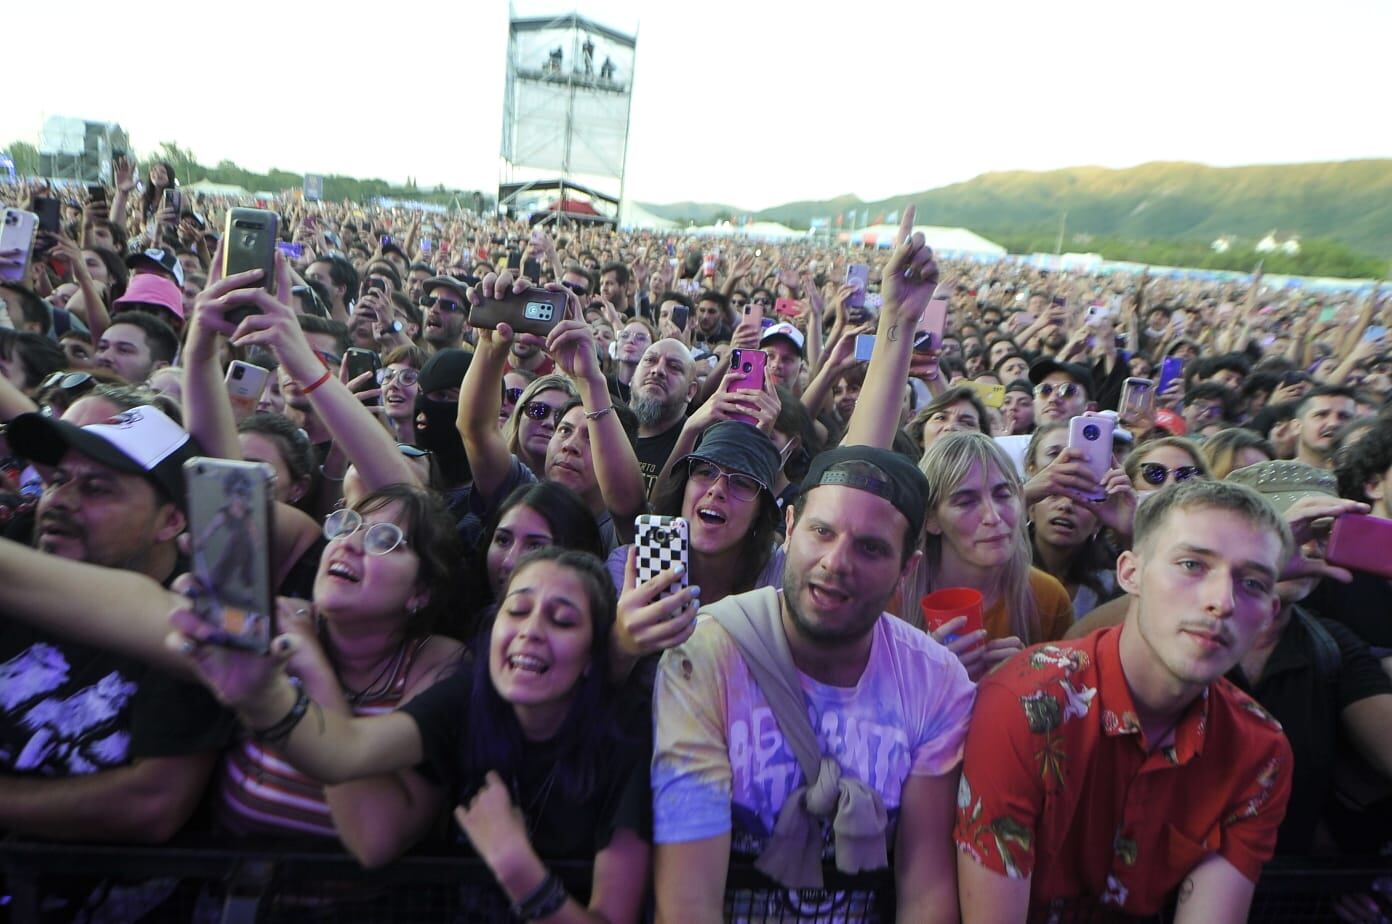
1054	609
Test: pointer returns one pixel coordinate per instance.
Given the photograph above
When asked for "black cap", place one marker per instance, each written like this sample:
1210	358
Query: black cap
159	260
741	448
444	370
880	472
1019	385
457	286
141	441
1048	366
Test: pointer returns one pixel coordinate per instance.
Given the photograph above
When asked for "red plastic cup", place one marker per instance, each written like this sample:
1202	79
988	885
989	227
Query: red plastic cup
942	606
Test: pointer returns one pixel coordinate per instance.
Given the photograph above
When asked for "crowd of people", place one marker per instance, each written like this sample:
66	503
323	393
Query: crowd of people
1161	684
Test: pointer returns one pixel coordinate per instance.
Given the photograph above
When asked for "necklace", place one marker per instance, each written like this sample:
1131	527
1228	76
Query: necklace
378	686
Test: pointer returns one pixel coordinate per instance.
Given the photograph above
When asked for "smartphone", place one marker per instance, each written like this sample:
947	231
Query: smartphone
787	307
1360	543
750	365
1137	398
1171	369
384	240
858	275
17	233
929	333
708	265
1374	332
534	311
245	383
50	212
293	250
362	360
249	242
96	193
426	244
661	543
755	312
1092	436
991	395
864	346
1059	301
531	268
173	199
229	519
680	316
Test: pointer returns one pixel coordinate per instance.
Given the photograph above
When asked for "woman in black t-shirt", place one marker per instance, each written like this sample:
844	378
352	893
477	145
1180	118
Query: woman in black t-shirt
522	741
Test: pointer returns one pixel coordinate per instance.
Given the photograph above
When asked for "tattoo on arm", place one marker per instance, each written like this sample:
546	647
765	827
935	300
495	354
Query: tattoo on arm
893	333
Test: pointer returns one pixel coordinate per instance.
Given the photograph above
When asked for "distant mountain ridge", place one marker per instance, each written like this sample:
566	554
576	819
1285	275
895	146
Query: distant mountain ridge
1348	201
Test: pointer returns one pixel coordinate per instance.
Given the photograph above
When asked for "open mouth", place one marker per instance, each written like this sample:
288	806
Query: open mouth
529	663
827	597
1063	522
342	572
710	516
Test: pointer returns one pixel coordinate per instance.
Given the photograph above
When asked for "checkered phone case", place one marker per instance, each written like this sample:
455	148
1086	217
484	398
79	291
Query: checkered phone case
660	543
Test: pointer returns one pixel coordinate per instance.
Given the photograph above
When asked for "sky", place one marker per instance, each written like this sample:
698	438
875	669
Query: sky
742	102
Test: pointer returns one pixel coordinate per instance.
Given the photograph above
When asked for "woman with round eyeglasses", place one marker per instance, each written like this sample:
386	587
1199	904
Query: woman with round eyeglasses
533	422
399	378
1165	461
723	491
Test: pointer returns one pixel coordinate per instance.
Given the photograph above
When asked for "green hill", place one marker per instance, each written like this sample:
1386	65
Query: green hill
1349	202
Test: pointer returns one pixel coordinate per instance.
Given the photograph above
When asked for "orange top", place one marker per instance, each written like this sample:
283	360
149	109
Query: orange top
1051	601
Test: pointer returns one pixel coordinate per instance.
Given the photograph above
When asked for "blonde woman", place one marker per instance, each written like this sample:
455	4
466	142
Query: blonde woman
975	537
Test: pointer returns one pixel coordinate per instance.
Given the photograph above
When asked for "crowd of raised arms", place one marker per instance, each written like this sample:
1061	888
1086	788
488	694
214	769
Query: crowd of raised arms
1078	603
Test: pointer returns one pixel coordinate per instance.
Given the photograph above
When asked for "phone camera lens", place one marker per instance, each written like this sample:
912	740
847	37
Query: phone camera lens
1091	433
238	372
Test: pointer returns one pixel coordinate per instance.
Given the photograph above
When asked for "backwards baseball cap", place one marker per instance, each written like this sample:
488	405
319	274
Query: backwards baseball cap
457	286
1048	366
877	471
158	260
141	441
787	332
740	448
150	289
1283	483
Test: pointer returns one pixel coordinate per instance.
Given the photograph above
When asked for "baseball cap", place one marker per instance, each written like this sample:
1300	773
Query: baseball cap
880	472
141	441
1048	366
444	370
158	260
150	289
786	331
1283	483
457	286
740	448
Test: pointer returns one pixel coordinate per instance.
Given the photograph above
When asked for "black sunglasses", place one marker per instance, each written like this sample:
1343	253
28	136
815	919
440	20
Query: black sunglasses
428	301
512	395
1156	473
576	287
540	410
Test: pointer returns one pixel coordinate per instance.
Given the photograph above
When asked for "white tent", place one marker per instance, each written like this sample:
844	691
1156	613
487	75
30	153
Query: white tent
946	241
633	215
768	231
216	189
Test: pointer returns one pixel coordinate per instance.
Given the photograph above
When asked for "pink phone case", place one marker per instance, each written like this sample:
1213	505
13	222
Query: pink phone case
750	365
1361	543
929	333
1093	437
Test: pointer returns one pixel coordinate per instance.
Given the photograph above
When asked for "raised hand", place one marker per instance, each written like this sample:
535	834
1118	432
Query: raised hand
909	280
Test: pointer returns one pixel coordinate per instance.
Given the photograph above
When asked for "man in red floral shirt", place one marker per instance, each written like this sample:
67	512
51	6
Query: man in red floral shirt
1112	771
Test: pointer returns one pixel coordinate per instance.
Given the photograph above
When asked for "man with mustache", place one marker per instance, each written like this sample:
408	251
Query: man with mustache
1318	418
94	746
1122	768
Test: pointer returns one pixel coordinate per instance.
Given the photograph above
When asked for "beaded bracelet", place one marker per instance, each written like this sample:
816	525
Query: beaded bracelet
281	730
545	900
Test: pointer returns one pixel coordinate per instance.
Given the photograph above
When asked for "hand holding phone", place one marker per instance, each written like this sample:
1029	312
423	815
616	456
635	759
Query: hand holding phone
1091	436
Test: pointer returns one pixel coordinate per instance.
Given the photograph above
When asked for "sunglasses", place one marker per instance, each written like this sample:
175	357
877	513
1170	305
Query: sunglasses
67	380
1156	473
576	287
378	538
1065	390
512	395
704	473
762	301
540	410
407	377
428	301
